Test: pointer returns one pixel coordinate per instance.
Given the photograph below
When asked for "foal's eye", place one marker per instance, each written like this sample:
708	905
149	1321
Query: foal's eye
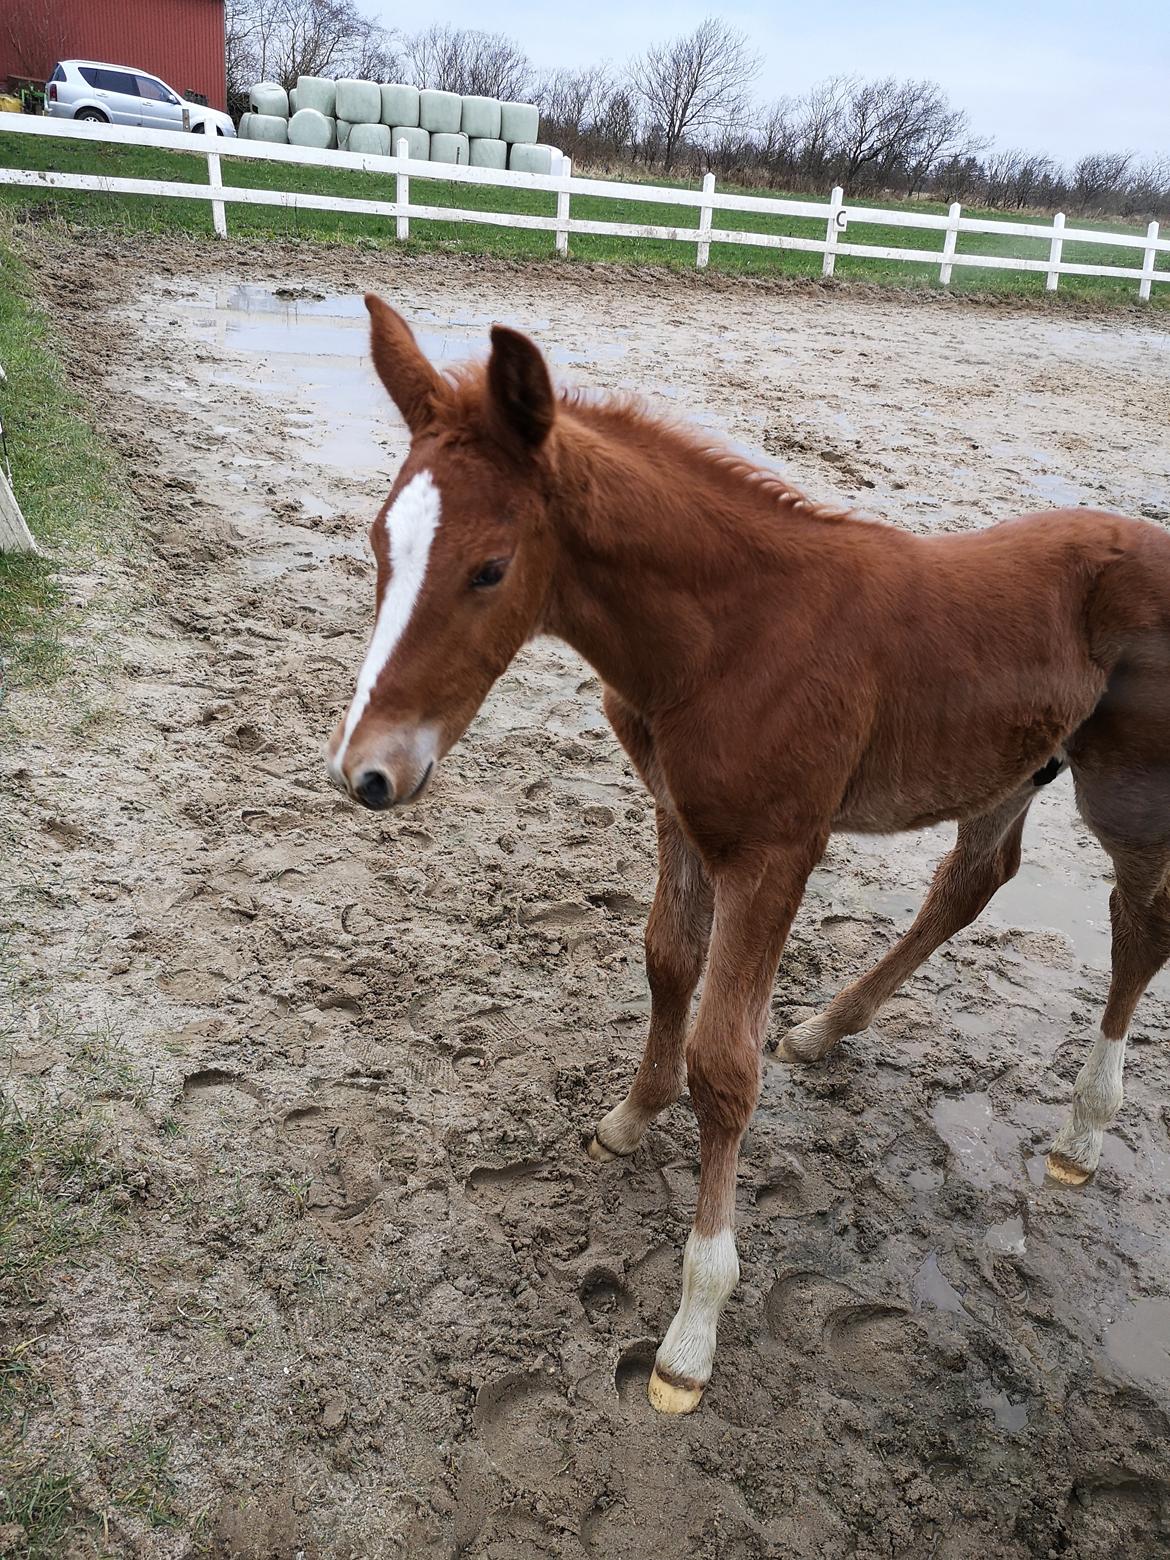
491	574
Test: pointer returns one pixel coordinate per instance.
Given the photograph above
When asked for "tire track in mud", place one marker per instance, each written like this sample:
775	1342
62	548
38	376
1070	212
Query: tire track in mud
383	1303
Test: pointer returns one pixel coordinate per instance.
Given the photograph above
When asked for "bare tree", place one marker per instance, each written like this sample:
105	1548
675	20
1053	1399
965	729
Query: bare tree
697	83
821	115
587	113
279	40
1097	175
461	59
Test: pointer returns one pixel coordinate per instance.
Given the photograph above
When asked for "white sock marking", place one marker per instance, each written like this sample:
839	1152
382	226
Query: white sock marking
1097	1097
410	529
710	1273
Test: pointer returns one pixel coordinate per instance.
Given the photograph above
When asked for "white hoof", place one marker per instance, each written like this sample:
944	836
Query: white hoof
1064	1171
669	1397
600	1153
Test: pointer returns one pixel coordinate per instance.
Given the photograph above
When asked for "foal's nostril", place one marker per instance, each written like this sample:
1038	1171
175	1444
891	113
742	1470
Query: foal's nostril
372	789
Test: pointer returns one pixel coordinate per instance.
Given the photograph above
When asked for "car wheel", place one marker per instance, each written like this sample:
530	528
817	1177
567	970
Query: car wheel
94	114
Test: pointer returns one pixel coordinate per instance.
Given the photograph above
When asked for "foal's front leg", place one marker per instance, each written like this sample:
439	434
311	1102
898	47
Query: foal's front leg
753	911
677	934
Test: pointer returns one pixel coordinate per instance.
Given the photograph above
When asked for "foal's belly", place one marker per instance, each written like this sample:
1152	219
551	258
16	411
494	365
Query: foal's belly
914	793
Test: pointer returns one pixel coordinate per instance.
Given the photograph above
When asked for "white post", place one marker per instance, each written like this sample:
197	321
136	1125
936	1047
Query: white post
215	180
833	230
563	206
952	238
15	535
703	253
402	190
1148	263
1052	281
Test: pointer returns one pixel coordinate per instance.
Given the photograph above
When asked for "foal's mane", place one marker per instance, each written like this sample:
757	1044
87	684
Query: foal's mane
627	417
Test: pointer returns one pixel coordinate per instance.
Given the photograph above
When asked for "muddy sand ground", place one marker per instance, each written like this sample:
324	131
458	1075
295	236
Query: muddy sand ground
369	1296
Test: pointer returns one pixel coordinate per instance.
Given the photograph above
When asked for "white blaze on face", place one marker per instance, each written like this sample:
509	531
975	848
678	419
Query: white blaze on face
411	523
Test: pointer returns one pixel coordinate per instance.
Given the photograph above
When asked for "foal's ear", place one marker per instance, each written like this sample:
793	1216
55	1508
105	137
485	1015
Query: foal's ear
414	386
521	404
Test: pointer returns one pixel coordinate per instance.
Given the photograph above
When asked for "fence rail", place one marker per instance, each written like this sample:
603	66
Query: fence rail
838	216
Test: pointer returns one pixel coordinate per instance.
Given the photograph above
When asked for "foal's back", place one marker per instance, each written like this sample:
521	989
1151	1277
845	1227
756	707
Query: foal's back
989	649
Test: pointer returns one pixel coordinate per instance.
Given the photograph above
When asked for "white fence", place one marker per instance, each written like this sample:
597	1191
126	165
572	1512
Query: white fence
836	214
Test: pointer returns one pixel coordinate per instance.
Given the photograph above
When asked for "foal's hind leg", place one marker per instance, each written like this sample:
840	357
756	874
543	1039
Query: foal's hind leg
1139	908
985	856
677	935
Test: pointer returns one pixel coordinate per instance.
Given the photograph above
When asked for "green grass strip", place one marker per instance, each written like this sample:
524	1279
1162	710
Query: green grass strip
63	476
148	214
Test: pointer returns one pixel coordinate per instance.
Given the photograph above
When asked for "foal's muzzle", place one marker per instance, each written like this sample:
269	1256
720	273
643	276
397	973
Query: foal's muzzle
382	769
373	790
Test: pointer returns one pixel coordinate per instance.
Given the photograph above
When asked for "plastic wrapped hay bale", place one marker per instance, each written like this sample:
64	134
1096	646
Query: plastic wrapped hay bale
481	118
399	105
449	148
309	127
269	97
370	138
519	122
292	101
359	101
489	153
525	158
317	92
267	127
440	111
344	126
242	127
418	142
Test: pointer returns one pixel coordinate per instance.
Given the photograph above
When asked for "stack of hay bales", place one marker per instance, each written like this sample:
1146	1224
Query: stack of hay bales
372	118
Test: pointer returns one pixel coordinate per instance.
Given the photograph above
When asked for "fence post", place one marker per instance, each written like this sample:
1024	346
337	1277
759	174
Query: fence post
402	190
703	253
1148	263
1052	280
566	175
952	238
215	180
833	230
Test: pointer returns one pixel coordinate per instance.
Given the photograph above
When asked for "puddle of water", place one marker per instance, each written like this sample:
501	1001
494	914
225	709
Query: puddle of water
927	1179
931	1287
1008	1415
1008	1237
1037	898
986	1149
1138	1343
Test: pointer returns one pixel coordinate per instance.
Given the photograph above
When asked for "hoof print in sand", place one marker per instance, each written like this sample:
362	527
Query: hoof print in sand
632	1372
791	1191
603	1296
525	1427
216	1095
875	1344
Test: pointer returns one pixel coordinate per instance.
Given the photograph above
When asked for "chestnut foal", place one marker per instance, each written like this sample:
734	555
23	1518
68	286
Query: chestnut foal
776	670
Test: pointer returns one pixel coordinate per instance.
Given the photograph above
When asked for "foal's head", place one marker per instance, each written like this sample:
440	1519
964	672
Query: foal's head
462	552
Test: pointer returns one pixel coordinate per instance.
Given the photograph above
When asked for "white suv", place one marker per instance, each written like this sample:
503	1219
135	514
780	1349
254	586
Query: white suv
117	95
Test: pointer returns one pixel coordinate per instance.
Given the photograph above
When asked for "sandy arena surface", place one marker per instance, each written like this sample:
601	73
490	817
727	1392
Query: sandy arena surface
370	1290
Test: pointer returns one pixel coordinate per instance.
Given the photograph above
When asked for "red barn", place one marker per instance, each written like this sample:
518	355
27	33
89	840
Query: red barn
180	40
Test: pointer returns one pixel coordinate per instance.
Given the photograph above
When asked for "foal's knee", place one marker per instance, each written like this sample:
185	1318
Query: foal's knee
725	1085
674	958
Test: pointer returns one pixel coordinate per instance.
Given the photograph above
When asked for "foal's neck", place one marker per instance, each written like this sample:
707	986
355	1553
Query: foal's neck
663	549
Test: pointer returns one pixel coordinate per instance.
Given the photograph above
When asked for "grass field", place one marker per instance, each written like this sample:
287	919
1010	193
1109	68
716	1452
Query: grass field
132	213
62	475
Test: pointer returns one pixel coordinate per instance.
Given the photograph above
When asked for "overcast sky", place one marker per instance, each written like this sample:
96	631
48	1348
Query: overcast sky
1058	76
